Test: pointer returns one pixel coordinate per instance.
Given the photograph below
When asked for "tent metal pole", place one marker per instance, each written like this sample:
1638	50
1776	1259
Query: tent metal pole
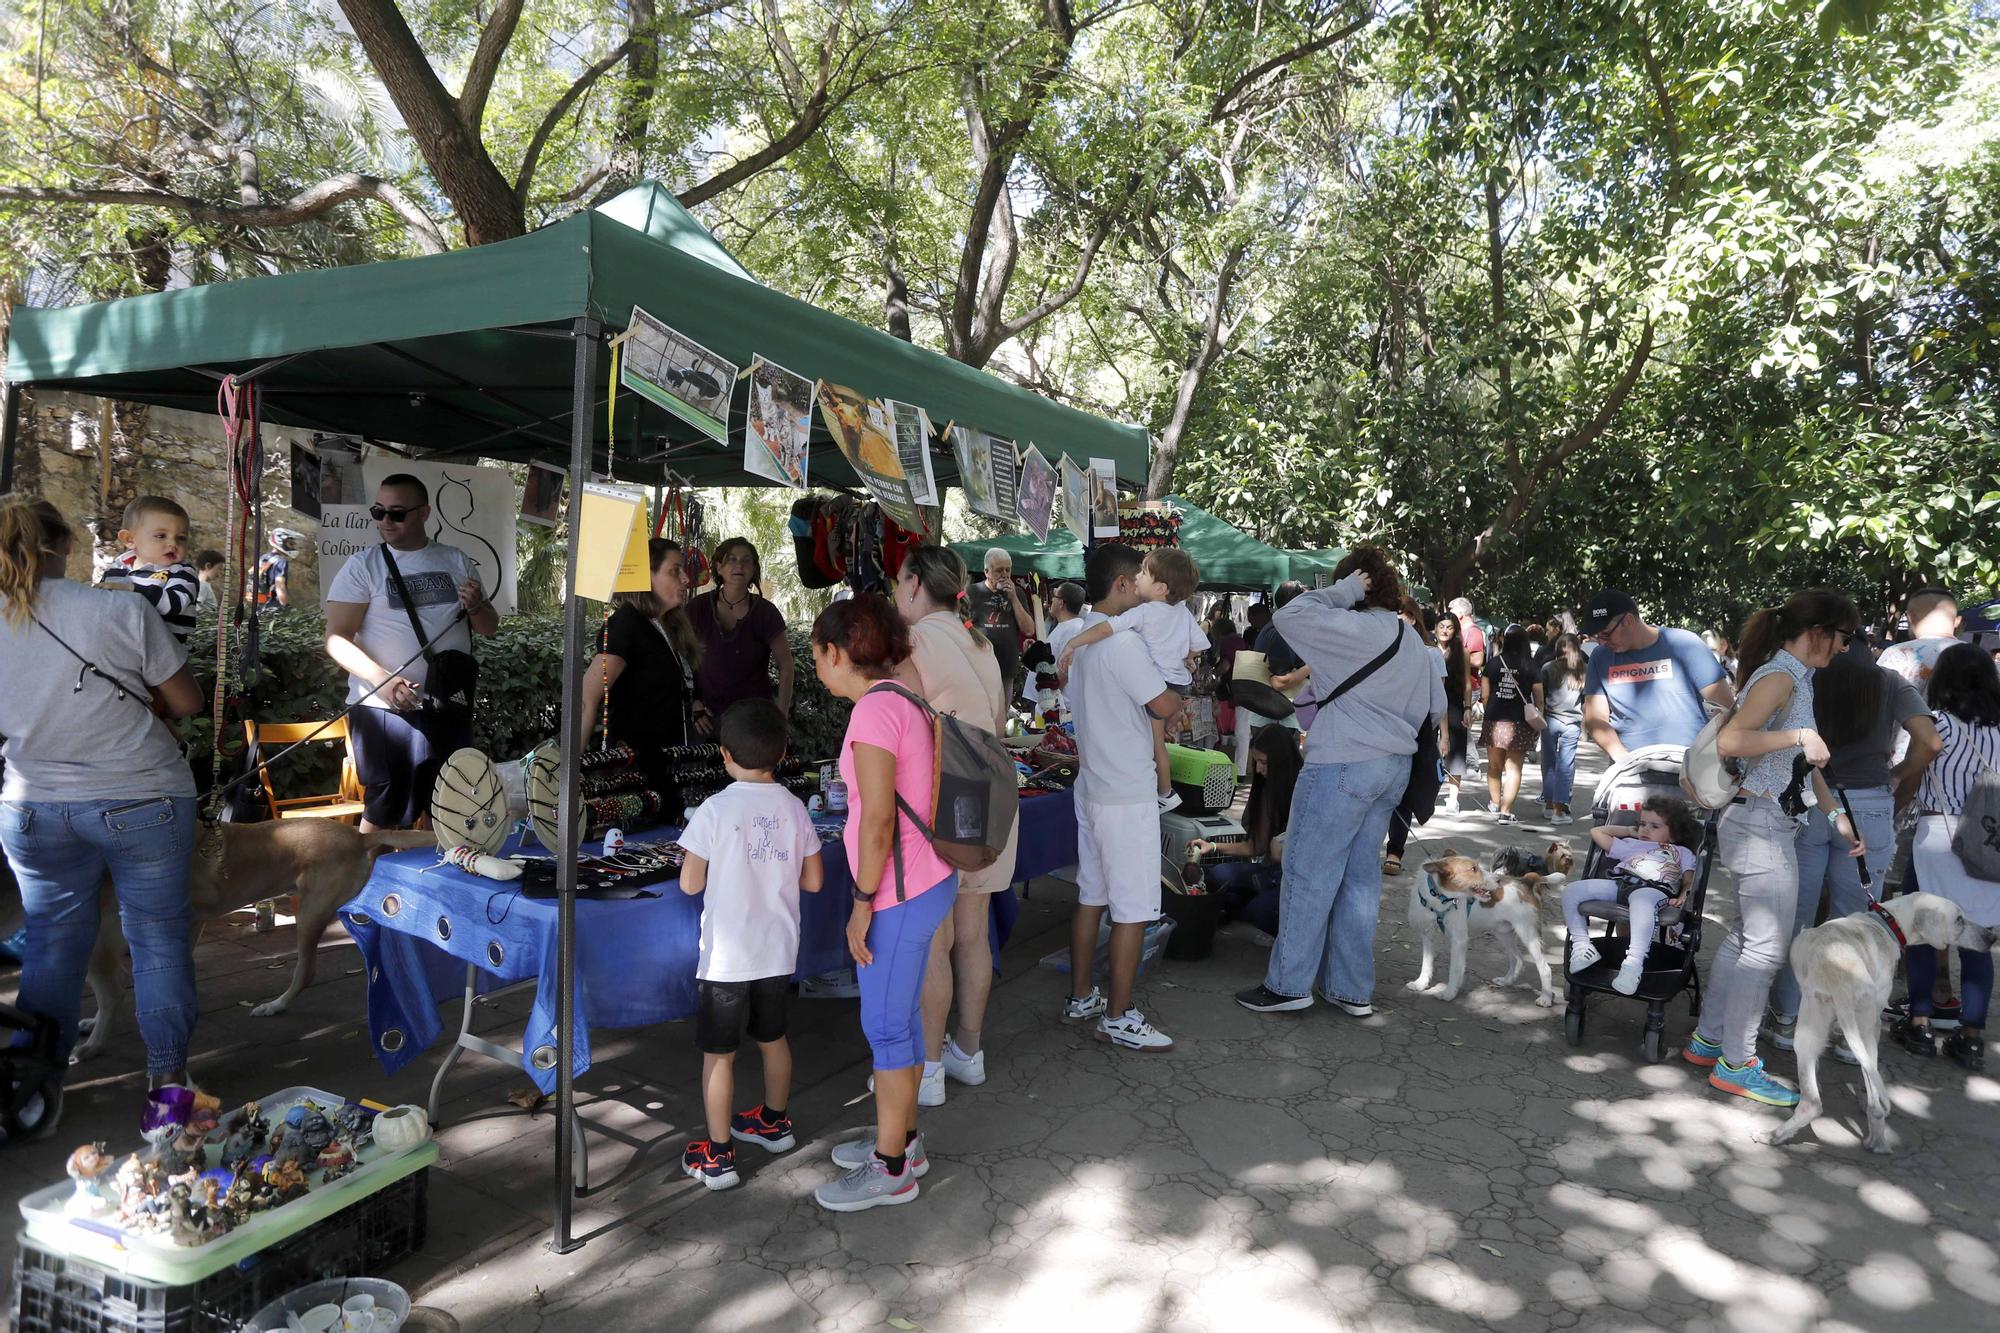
10	433
583	389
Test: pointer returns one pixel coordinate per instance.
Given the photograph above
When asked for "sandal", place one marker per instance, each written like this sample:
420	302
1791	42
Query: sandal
1392	865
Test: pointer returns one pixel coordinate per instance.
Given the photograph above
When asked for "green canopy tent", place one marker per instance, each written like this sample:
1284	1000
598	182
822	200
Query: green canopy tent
498	352
1231	560
1306	565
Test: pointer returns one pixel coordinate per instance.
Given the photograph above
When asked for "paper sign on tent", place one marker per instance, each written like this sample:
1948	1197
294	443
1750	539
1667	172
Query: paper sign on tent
611	542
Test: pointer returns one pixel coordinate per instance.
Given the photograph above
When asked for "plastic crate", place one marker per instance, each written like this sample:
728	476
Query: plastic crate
57	1294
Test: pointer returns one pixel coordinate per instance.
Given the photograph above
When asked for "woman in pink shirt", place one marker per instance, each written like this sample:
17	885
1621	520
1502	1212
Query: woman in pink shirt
903	892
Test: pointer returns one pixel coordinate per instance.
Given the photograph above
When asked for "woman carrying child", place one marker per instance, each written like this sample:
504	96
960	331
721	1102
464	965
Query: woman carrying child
1650	869
903	892
1771	728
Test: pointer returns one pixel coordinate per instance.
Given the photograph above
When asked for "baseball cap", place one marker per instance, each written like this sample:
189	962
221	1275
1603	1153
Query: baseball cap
1604	608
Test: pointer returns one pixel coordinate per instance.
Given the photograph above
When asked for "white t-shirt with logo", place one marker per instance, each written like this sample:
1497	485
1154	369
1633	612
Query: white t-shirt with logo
1110	684
432	576
756	837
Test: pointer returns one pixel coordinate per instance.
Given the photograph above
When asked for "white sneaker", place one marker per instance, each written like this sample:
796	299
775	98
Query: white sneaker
1560	819
839	984
930	1088
1450	803
1090	1006
1629	972
1133	1032
967	1069
1583	953
1170	801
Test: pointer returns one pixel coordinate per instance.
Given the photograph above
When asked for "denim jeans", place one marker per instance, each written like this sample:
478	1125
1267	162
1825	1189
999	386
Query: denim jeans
1975	976
1332	891
60	851
1825	868
1755	841
1559	761
1249	892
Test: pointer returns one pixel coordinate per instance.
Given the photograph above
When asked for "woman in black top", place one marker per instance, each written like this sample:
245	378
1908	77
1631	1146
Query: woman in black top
1454	736
646	659
1506	733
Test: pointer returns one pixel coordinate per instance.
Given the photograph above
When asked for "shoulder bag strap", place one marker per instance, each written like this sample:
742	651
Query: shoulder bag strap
409	606
902	806
1380	660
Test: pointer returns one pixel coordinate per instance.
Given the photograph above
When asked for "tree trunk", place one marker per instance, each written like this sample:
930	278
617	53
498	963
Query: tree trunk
455	153
635	101
1208	349
895	299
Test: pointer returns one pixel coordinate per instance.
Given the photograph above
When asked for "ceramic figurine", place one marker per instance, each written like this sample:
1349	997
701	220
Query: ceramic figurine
285	1179
356	1124
186	1151
167	1110
313	1128
131	1183
206	1113
180	1214
335	1161
241	1144
94	1176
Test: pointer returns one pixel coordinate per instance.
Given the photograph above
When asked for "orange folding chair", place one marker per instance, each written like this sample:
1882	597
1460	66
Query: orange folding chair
344	804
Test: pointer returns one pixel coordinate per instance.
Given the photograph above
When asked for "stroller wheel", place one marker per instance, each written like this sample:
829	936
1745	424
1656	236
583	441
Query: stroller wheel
1573	1026
1653	1045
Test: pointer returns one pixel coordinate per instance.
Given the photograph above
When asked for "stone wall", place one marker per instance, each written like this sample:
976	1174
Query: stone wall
171	453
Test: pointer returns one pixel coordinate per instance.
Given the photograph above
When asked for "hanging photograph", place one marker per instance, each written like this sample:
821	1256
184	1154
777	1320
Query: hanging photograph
1037	495
913	448
677	373
542	495
972	450
1077	485
306	481
339	470
862	430
779	429
1103	498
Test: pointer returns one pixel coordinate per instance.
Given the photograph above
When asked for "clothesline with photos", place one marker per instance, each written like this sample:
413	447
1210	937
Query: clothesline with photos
887	443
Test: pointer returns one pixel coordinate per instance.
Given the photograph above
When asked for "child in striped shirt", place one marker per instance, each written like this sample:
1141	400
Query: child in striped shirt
155	533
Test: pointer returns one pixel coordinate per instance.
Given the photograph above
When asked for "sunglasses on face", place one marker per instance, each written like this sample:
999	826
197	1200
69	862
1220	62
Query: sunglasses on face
394	513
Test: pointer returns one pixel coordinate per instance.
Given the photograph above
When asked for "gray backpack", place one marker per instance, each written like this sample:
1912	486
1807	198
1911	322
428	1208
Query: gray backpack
975	796
1977	838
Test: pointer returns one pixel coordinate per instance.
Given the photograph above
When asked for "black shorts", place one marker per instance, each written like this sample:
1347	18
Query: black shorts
397	757
724	1010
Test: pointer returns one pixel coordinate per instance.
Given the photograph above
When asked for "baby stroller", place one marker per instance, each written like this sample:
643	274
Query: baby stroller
1670	964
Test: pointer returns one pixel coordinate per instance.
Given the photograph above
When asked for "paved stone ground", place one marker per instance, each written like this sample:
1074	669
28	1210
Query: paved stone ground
1437	1166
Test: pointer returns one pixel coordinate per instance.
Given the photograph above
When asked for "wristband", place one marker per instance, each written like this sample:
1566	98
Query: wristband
867	898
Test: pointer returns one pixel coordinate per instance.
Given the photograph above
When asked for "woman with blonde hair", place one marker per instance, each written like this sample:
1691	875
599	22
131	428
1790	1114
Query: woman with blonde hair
95	784
954	668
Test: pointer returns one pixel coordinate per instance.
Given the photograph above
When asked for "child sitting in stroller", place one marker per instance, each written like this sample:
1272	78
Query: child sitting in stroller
1651	867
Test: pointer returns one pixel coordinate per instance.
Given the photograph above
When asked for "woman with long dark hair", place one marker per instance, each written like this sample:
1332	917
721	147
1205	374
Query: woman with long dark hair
1249	889
1965	705
646	663
1559	694
903	891
1861	710
742	635
1399	823
95	785
1773	726
1506	733
1454	736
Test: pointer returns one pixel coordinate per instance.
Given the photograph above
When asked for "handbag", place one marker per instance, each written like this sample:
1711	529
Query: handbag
452	677
1529	713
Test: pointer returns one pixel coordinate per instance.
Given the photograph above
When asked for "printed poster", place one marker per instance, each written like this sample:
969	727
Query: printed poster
542	495
472	508
345	531
913	450
778	434
307	483
861	427
1077	486
611	553
1103	498
677	373
986	470
1036	497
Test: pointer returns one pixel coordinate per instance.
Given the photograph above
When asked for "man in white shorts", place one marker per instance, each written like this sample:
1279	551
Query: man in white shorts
1113	687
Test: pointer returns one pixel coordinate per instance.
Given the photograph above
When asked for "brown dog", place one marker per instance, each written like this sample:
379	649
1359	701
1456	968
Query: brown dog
1458	894
325	863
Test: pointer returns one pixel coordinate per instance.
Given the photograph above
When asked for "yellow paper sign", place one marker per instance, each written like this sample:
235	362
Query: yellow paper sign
611	542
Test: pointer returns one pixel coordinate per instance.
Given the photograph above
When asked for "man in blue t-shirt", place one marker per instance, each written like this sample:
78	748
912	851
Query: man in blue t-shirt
1645	686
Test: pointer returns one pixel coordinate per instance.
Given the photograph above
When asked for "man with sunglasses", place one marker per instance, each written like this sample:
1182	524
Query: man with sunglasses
1645	686
399	744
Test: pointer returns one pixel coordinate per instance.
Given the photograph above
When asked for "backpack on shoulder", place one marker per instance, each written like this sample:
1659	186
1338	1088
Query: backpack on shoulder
975	797
1976	840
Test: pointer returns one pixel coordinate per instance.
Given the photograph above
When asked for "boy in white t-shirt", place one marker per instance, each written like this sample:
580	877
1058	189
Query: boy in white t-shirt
753	848
1173	638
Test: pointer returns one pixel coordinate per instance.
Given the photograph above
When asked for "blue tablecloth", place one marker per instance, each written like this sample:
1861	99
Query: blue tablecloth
635	959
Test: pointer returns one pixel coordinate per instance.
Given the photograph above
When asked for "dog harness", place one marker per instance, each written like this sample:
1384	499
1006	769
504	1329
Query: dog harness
1881	916
1438	903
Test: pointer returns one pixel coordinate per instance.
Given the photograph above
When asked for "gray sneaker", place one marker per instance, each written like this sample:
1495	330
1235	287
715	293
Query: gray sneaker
856	1152
1075	1010
867	1186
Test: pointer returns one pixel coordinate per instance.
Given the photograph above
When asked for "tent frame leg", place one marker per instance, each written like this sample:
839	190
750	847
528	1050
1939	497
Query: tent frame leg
586	332
10	433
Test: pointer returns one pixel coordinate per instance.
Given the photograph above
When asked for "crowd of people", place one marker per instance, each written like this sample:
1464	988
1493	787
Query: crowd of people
95	785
